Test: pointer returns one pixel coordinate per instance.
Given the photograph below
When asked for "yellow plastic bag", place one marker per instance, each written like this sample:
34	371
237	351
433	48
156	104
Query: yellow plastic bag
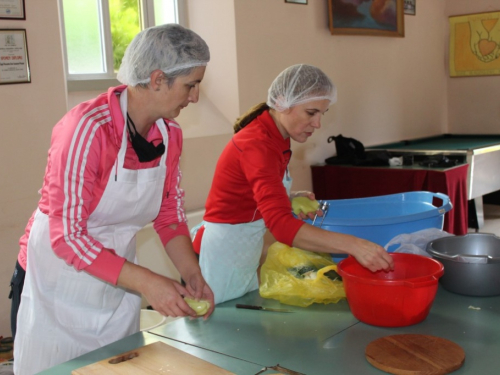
298	277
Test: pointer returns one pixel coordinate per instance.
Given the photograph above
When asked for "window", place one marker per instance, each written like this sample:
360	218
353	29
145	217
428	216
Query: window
97	32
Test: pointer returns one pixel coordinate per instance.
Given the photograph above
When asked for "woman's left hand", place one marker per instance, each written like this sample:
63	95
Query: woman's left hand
199	289
311	196
181	252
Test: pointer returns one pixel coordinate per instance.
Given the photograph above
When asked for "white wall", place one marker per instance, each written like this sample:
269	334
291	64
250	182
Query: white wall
473	102
220	85
389	88
28	112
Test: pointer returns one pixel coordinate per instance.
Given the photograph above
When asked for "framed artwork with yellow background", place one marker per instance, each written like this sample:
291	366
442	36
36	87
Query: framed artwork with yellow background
475	45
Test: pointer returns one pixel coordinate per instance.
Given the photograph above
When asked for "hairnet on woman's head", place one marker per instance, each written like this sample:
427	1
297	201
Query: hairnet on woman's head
300	84
170	48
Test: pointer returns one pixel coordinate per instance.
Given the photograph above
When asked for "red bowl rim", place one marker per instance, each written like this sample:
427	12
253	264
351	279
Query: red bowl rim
412	282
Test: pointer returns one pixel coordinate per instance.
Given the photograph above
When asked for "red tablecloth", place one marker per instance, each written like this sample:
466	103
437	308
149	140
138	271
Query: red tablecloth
344	182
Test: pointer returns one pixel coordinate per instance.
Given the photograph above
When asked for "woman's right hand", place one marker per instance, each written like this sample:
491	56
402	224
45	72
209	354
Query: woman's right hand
305	206
369	254
372	256
165	295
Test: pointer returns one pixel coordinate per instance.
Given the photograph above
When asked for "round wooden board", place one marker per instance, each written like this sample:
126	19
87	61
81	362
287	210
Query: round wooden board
411	354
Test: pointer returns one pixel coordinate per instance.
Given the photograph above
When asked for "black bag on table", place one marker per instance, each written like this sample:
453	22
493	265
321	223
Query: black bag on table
350	151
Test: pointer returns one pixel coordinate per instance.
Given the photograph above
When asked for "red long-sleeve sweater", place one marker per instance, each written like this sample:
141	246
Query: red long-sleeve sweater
248	181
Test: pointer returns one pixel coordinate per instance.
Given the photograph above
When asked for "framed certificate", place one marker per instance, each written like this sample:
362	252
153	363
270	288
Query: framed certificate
410	7
12	9
14	63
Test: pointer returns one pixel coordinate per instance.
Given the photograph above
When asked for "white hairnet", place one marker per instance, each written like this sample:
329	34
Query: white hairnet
170	48
300	84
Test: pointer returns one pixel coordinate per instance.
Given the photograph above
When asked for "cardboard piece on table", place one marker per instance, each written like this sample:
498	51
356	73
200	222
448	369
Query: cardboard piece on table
415	354
157	358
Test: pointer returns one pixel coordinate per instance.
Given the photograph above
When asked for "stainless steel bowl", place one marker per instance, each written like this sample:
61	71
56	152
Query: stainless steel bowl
471	263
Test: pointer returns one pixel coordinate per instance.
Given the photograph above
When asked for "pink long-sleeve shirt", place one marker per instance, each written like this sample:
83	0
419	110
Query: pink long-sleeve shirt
86	141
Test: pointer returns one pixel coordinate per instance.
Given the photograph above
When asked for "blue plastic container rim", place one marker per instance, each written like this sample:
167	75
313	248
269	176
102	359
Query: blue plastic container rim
425	197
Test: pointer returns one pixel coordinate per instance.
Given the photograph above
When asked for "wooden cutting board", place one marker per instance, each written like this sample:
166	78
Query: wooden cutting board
412	354
157	358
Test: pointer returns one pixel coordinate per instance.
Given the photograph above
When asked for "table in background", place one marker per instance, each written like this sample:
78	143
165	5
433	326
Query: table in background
480	151
315	340
346	182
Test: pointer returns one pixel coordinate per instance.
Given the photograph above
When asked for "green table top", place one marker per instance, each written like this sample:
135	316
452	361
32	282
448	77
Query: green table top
319	339
264	337
447	142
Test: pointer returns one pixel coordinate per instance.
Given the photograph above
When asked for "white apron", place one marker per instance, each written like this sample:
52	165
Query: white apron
65	313
230	255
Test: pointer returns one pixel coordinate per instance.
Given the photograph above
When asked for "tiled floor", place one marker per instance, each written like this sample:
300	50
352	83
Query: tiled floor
491	220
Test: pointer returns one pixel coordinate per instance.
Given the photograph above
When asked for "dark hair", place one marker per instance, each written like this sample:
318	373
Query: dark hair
249	116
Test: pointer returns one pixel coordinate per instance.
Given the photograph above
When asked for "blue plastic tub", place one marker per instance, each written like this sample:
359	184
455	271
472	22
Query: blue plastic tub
380	219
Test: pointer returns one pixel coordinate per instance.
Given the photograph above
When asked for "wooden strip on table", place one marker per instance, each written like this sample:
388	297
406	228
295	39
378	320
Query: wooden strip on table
156	358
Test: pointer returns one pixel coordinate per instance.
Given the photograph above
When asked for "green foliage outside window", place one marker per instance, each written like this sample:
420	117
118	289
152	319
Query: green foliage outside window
125	24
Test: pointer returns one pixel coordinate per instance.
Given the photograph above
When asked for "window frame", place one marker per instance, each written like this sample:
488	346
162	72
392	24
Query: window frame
102	81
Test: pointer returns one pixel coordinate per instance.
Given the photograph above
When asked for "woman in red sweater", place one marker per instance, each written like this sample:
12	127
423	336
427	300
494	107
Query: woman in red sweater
250	192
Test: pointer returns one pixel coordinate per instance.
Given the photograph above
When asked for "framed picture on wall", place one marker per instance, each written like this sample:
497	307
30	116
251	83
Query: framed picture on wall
410	7
14	63
12	9
363	17
296	1
475	45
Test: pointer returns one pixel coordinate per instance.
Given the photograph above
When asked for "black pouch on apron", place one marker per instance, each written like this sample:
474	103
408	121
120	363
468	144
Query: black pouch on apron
16	288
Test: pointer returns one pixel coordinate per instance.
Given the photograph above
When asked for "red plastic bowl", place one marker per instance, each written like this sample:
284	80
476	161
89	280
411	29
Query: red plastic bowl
392	299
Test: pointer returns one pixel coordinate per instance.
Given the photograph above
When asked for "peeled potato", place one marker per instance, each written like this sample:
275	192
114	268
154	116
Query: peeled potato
201	307
304	205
